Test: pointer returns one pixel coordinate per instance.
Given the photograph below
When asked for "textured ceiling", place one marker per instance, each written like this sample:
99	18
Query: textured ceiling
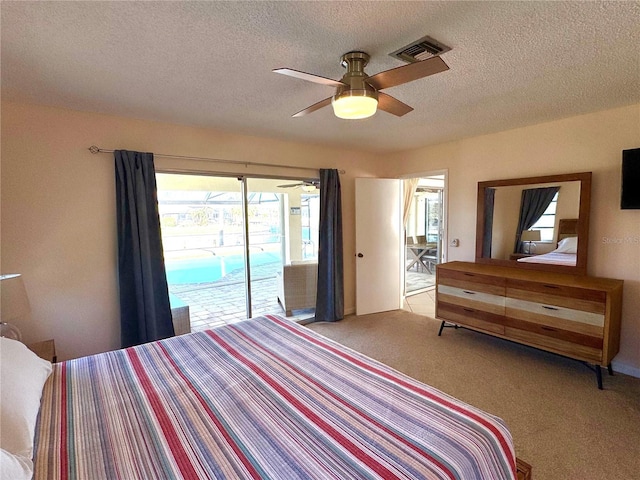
209	63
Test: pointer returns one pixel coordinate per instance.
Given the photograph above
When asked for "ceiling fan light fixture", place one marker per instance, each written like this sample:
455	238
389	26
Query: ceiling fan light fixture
355	104
359	95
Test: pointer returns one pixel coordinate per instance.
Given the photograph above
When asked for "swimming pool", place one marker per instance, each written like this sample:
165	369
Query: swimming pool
205	270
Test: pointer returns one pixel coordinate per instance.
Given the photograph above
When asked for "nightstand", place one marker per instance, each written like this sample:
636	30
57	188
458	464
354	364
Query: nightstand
45	349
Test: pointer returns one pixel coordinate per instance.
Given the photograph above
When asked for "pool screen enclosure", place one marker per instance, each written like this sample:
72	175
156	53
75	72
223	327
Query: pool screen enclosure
225	239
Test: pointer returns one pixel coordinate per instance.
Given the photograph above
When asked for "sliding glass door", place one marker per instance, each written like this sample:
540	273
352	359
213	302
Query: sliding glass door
225	242
267	242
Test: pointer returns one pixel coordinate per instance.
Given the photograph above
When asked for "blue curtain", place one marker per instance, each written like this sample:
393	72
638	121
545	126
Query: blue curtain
330	296
533	204
145	314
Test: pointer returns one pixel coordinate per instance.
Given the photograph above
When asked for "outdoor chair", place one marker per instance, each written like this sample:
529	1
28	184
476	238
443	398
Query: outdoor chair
180	315
297	286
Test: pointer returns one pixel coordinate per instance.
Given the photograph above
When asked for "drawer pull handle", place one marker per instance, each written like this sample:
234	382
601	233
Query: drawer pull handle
550	308
469	274
549	329
468	292
551	286
470	310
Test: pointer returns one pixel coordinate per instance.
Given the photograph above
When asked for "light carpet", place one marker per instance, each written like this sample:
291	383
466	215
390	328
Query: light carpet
561	423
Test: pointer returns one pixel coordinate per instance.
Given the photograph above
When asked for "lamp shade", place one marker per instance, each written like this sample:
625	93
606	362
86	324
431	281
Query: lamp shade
355	104
530	236
14	302
7	330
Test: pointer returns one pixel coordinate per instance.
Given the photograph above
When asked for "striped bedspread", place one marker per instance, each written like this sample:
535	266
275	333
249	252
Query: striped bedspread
263	398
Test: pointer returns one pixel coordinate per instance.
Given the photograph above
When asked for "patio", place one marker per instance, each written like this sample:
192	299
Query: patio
212	304
222	302
418	280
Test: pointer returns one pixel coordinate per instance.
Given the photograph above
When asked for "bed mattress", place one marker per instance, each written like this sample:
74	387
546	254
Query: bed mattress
552	258
262	398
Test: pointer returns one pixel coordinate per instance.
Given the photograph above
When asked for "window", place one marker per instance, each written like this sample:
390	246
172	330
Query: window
547	221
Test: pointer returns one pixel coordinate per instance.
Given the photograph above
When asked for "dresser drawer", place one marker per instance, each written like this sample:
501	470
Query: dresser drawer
559	330
465	297
557	345
472	281
562	293
480	319
588	306
554	315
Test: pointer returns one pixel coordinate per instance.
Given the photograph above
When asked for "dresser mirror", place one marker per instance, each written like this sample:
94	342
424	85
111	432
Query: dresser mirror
537	223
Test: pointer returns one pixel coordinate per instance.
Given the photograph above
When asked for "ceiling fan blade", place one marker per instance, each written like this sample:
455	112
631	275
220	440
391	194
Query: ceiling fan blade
309	77
392	105
313	108
407	73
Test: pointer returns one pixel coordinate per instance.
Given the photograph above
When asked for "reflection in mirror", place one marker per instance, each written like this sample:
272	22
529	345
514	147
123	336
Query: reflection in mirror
508	213
537	223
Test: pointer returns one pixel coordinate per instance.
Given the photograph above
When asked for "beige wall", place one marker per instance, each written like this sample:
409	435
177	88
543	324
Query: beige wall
505	221
592	142
58	208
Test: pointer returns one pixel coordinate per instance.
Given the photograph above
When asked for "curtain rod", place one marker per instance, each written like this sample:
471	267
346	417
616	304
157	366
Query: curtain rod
93	149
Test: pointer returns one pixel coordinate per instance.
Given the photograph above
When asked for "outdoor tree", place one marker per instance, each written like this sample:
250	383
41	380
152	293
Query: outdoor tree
200	216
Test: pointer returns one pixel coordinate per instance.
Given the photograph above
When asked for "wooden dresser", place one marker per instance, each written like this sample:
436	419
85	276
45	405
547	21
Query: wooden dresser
571	315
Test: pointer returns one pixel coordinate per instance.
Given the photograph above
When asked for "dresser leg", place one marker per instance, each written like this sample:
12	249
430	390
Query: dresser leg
443	325
596	368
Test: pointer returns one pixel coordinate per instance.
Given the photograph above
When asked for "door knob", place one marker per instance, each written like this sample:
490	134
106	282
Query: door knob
360	255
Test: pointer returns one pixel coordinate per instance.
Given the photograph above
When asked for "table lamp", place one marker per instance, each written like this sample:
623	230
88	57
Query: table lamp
530	236
13	306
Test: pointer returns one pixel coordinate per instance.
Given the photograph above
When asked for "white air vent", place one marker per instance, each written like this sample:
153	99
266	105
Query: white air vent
419	50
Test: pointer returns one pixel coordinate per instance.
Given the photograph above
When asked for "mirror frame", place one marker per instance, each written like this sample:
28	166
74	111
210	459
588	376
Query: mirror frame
583	222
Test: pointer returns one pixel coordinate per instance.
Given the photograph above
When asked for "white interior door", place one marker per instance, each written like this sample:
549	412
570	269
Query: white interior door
378	245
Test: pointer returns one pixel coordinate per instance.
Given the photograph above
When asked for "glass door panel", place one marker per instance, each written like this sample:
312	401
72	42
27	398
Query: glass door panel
283	230
265	203
210	235
433	224
204	248
310	222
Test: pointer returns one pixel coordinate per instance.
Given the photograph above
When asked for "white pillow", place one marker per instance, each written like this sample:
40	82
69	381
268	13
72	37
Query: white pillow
15	467
22	376
567	245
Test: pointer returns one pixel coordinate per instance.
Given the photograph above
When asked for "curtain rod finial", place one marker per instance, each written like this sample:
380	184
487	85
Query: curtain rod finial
94	149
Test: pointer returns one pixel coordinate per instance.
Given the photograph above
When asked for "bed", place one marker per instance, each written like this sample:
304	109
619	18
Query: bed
552	258
262	398
567	249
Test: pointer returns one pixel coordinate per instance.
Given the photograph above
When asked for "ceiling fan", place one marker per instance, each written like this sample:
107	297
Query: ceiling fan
357	94
307	186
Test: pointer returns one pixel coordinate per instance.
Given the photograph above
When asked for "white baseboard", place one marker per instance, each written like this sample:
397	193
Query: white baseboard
626	369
